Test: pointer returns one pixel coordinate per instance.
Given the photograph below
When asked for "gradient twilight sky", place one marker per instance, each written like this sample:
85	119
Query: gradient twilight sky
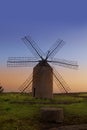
45	21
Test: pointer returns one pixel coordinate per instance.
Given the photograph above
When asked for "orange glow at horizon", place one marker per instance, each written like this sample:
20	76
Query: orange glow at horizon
12	78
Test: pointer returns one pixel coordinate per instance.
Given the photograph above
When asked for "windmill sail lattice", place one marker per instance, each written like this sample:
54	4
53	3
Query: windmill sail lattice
61	84
27	84
42	77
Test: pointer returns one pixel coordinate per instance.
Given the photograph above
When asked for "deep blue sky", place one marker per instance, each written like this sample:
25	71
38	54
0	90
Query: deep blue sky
45	21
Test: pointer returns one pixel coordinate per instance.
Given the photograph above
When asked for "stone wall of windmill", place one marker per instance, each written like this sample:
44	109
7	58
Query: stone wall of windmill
42	81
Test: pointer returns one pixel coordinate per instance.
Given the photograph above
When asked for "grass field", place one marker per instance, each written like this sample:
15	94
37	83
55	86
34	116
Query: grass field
22	112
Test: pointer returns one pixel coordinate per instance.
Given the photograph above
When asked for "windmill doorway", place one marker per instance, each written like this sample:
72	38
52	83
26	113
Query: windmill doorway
34	92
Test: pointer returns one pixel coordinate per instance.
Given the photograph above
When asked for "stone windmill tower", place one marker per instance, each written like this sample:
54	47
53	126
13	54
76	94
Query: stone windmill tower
42	77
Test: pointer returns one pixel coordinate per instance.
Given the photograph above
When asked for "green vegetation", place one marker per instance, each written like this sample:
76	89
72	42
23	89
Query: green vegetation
22	112
83	94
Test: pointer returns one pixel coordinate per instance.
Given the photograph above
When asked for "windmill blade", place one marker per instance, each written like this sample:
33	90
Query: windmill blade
55	48
64	63
33	47
62	85
27	84
21	62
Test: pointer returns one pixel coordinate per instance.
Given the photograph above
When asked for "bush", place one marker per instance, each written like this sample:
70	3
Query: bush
1	89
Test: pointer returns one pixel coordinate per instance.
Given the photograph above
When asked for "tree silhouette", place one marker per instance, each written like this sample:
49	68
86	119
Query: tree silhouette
1	89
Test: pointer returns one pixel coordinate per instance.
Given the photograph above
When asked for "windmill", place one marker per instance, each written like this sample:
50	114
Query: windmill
42	78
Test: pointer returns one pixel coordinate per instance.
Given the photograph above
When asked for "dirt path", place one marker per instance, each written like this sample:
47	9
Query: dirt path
71	127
